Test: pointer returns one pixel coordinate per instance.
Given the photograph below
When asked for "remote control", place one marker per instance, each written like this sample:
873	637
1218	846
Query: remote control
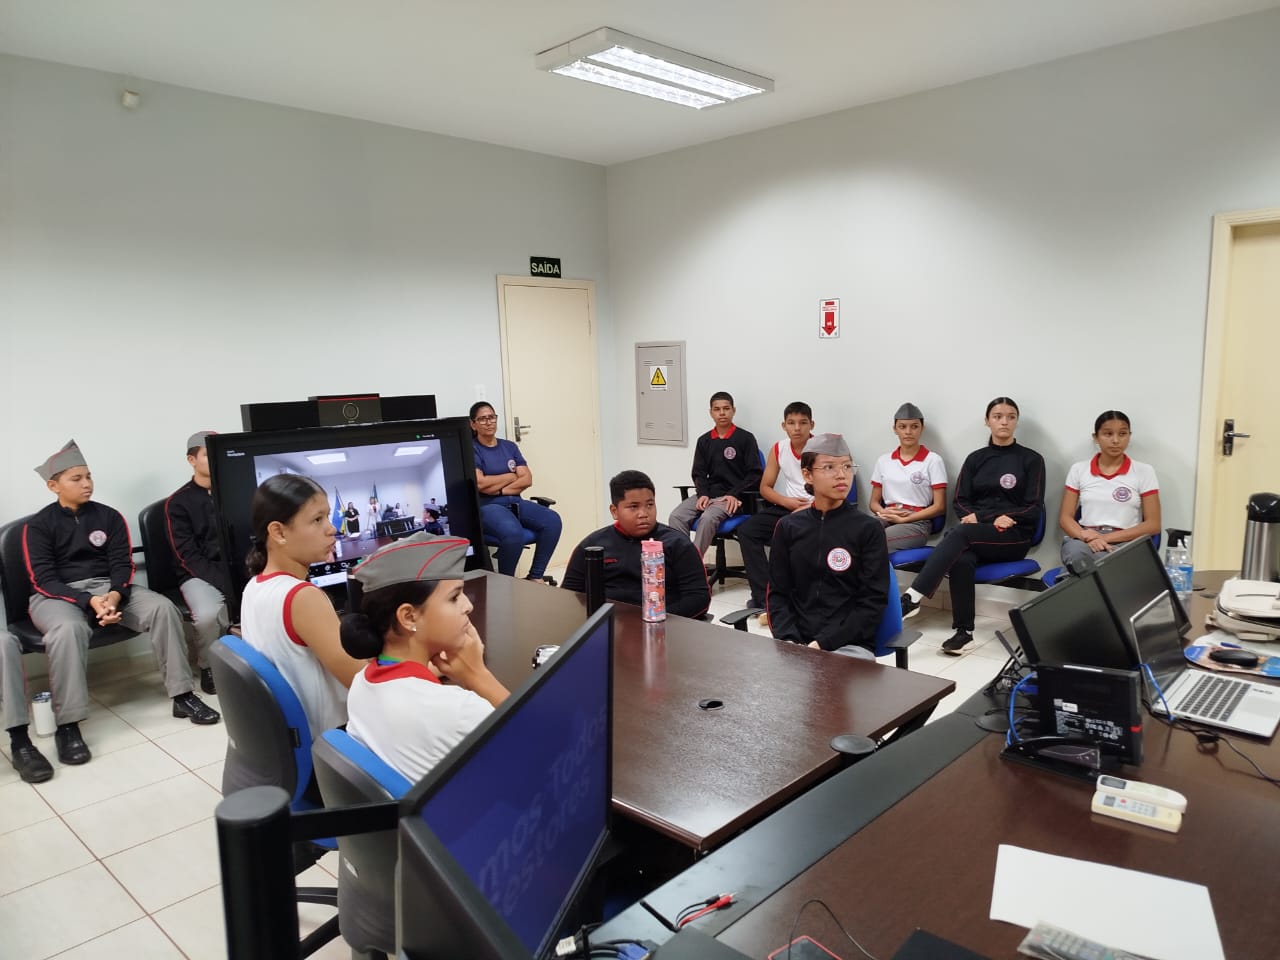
1048	942
1160	796
1137	811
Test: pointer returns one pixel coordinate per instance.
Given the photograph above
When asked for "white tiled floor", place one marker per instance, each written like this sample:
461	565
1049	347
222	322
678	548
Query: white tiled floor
118	857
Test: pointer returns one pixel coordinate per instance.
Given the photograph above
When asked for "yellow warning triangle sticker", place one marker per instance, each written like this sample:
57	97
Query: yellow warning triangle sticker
658	379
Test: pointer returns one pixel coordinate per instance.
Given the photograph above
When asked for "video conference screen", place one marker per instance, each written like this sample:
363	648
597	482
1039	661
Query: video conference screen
383	482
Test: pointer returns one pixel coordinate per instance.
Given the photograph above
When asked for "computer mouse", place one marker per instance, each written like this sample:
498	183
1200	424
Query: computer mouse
1235	657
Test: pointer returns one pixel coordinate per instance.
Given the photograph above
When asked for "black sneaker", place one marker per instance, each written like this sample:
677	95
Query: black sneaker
194	709
909	607
31	764
206	682
955	643
72	749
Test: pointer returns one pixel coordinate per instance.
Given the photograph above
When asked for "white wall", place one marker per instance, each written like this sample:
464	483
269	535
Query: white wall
1042	234
160	267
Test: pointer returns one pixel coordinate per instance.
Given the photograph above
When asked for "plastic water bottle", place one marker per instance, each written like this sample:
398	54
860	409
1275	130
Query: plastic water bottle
1177	562
653	581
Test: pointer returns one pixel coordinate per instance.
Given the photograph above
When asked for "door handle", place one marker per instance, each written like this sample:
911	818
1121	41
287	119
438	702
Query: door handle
1229	437
521	430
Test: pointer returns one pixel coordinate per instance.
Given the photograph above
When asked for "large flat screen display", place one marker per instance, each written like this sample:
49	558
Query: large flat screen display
384	482
1071	623
497	840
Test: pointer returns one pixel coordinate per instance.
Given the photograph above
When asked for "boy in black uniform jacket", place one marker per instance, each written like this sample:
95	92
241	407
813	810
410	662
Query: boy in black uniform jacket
78	556
204	579
829	566
726	464
633	509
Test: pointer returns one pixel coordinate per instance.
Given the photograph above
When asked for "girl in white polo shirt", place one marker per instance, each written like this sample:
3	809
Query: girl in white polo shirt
1119	498
908	485
414	625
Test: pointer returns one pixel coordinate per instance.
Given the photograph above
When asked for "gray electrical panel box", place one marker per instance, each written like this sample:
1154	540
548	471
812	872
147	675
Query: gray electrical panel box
660	394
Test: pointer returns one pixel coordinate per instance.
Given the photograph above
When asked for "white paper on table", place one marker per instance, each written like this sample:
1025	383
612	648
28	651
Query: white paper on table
1152	916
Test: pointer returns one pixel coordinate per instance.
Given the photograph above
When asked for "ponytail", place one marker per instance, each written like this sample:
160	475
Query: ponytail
364	632
278	499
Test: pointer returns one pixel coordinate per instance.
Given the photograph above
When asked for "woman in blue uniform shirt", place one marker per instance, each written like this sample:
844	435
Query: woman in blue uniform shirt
502	474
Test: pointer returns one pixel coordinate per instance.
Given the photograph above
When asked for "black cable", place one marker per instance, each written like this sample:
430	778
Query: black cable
1208	740
822	903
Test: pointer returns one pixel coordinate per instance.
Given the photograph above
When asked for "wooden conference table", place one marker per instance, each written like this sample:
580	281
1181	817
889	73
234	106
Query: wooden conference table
694	774
929	859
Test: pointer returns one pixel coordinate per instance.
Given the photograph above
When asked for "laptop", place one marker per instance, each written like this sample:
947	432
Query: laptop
1197	695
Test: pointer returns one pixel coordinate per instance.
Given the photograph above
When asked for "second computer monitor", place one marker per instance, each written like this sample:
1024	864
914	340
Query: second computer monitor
1131	577
1071	623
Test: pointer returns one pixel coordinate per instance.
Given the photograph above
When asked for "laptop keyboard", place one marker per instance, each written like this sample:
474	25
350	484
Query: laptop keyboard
1213	698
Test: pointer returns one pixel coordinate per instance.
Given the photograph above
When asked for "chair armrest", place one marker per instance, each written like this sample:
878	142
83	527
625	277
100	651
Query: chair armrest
899	643
684	489
544	501
738	619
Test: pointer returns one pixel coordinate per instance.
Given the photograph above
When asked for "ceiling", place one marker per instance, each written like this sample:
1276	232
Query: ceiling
465	67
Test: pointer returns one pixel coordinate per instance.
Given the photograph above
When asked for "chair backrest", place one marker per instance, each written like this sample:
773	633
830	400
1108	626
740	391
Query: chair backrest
268	738
891	622
13	570
350	773
162	565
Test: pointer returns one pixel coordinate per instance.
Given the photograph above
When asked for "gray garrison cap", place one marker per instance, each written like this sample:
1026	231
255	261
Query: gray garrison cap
909	411
420	557
197	438
66	458
832	444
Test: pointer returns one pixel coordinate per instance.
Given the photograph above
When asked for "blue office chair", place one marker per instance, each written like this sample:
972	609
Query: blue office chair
916	556
890	637
349	773
1014	569
269	743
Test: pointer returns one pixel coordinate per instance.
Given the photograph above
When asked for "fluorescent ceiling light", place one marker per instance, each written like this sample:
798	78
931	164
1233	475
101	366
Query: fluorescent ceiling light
619	60
319	458
409	451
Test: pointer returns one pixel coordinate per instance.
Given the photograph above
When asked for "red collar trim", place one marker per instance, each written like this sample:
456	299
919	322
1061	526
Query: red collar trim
405	669
716	436
921	452
264	577
1125	464
793	449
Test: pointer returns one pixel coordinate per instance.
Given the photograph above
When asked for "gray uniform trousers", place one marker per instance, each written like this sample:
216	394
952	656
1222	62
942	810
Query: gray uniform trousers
682	518
67	628
13	682
208	614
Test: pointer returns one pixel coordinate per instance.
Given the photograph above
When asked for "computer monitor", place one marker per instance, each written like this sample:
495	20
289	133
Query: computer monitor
1071	623
1131	577
498	839
1154	632
419	464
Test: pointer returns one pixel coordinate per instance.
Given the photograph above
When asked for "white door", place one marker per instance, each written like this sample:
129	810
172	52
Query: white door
551	387
1242	340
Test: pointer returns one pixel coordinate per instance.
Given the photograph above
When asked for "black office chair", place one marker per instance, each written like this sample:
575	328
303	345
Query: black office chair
17	592
269	743
529	536
349	774
162	565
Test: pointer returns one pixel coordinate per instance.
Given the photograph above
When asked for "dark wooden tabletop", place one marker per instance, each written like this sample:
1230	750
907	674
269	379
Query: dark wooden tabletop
696	773
929	861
